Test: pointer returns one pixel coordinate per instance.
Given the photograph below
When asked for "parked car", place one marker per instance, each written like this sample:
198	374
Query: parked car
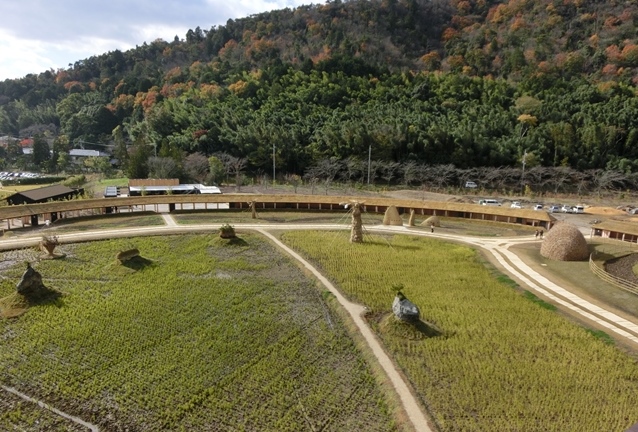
554	208
489	202
579	208
567	209
538	206
516	205
471	184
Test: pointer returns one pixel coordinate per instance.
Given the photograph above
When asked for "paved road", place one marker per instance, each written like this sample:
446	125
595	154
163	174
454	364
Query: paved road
498	248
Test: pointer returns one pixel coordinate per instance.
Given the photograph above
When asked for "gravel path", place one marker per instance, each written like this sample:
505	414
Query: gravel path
623	267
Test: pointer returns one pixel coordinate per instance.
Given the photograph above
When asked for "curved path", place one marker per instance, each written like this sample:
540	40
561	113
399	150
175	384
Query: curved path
356	311
91	427
498	248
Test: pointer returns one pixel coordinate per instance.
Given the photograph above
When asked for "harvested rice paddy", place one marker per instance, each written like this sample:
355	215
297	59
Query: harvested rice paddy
195	335
484	357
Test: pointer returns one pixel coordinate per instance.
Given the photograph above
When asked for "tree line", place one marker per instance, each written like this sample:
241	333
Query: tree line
354	174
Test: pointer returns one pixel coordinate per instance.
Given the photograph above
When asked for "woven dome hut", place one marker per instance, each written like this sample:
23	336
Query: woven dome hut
432	220
564	242
392	217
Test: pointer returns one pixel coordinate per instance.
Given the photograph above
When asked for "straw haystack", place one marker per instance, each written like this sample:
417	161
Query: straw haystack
411	219
432	220
252	205
48	245
356	231
127	255
392	217
564	242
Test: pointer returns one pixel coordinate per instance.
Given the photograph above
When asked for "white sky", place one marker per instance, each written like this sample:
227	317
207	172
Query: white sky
37	35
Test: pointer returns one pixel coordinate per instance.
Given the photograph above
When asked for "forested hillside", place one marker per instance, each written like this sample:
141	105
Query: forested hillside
472	83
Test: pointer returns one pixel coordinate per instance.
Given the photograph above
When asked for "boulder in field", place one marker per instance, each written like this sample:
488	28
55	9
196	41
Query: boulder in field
404	309
31	286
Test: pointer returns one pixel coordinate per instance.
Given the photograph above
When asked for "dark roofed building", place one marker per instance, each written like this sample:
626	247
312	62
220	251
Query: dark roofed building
56	192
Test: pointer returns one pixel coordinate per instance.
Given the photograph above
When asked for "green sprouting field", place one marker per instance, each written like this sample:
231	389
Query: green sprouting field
194	336
484	357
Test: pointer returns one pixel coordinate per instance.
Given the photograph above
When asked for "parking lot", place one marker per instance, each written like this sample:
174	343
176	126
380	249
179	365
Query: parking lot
5	175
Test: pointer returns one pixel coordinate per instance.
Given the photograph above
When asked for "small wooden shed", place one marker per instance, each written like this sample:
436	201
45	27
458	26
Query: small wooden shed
56	192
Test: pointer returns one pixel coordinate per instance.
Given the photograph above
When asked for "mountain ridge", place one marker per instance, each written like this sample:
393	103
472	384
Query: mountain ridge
472	83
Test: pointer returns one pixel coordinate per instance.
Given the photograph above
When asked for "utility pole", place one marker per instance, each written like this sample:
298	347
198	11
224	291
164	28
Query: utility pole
273	164
523	172
369	160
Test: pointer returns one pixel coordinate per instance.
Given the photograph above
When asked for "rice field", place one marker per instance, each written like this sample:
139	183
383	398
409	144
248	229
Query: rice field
484	357
270	216
118	220
195	335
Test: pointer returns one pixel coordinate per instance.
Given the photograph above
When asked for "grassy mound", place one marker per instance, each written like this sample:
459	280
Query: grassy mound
225	242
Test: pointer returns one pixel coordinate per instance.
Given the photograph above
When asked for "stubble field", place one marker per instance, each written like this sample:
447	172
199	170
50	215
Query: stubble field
195	336
485	357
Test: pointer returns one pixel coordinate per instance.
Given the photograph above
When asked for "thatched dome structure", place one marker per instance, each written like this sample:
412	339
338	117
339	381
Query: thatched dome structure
564	242
392	217
432	220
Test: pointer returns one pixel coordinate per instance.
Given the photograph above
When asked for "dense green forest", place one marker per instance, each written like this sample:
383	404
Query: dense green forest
472	83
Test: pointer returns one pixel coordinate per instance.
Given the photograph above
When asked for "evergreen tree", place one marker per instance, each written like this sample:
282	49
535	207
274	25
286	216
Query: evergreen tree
120	151
41	152
138	160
